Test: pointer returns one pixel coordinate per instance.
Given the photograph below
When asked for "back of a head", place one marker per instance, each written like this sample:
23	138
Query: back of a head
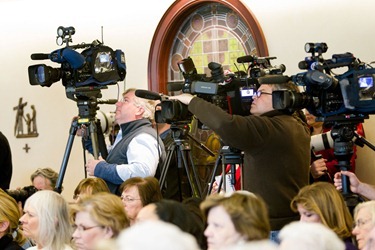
159	236
309	236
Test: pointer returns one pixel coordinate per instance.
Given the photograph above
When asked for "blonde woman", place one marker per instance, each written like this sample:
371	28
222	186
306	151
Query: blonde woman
46	221
97	217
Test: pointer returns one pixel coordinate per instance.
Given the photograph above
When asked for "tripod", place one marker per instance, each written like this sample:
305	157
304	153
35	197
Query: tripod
343	132
228	155
181	148
87	102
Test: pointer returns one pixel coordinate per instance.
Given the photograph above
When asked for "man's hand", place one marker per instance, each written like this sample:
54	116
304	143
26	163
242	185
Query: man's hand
185	98
91	164
318	168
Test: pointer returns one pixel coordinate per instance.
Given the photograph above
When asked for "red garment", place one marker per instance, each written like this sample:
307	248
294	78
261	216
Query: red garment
237	184
331	163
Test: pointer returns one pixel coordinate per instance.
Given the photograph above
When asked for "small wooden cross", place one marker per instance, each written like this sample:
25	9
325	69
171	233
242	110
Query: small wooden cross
26	148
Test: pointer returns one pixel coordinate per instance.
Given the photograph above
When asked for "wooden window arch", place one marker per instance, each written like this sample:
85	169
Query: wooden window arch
170	26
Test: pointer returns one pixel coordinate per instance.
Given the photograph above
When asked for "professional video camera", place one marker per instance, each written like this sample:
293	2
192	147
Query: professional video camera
328	94
232	92
22	194
94	68
83	75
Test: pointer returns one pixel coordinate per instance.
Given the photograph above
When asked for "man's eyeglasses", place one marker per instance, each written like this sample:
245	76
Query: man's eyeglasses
259	93
128	199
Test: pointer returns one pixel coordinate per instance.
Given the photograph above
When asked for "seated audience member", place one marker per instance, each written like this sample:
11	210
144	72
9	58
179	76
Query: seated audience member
370	243
5	162
46	221
11	236
89	186
176	213
138	192
356	186
300	235
97	217
236	219
364	219
321	203
255	245
44	179
155	235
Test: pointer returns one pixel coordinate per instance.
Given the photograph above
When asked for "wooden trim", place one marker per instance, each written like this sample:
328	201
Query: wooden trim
168	27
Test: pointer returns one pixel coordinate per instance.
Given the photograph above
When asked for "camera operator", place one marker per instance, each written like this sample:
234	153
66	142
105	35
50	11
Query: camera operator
276	146
139	151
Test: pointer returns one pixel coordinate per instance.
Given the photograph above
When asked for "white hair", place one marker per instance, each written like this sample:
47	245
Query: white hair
309	236
159	235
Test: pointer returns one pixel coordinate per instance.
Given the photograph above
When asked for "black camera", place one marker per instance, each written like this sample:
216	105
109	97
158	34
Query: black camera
96	66
22	194
328	94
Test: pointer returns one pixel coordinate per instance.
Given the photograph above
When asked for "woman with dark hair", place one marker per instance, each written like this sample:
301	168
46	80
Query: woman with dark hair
138	192
176	213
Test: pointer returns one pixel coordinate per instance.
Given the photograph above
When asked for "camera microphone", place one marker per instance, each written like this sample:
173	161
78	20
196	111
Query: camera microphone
148	94
39	56
245	59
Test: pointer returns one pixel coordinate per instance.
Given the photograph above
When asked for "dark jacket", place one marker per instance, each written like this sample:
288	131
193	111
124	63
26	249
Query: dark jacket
276	154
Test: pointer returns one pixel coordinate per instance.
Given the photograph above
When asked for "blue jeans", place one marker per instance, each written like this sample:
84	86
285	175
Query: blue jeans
274	236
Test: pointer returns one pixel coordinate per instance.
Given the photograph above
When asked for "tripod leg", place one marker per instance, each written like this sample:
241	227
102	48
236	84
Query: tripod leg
164	170
68	149
212	179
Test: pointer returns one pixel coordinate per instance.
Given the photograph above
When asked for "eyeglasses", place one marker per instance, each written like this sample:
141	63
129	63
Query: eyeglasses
259	93
128	199
360	223
83	228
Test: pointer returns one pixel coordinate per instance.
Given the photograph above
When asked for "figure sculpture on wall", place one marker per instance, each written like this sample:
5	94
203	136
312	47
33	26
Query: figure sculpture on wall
29	119
18	127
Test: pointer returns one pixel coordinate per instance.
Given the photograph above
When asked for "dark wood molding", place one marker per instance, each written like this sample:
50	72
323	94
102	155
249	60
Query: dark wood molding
168	27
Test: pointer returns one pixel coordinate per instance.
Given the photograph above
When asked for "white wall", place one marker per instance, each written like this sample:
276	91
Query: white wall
30	27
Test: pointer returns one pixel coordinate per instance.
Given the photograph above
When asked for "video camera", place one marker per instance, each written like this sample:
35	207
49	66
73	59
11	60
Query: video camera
328	94
94	68
232	92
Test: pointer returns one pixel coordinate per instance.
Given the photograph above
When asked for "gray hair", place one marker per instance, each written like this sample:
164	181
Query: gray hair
54	230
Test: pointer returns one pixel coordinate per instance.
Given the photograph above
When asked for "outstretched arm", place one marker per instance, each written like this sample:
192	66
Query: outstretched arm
356	186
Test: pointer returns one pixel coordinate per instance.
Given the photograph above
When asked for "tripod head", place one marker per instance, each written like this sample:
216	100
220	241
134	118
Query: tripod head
343	131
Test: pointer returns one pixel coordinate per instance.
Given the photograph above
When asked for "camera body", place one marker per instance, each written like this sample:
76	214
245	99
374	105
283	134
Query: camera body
328	94
233	92
96	66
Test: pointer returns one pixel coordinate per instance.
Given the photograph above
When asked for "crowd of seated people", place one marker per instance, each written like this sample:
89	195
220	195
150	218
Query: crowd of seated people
139	217
98	219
